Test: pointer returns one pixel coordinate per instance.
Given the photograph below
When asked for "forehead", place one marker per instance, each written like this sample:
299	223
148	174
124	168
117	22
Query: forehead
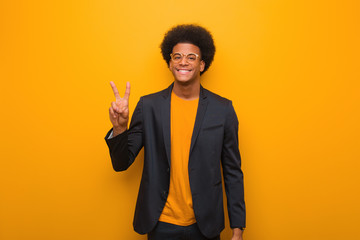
186	48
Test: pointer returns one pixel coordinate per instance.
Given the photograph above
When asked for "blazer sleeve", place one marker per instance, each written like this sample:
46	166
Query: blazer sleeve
233	175
125	147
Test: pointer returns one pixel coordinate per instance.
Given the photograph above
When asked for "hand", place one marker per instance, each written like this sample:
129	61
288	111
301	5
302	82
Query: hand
237	234
119	110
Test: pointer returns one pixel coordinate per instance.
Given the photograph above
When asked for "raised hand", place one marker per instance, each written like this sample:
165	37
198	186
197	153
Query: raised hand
119	110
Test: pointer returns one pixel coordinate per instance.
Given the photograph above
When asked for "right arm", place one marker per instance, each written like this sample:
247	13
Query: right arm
124	145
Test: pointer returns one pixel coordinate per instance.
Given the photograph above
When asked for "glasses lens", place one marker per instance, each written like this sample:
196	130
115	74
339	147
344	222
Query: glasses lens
176	57
191	57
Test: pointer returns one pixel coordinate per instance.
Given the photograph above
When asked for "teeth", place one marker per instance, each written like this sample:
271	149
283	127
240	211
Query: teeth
184	70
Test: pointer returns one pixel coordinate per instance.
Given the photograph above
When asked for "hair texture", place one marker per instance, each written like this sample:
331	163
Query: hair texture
189	33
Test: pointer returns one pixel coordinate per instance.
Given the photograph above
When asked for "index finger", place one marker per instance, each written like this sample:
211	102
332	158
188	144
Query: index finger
115	90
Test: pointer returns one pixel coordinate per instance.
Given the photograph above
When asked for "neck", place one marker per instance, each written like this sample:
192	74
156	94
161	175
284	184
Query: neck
187	91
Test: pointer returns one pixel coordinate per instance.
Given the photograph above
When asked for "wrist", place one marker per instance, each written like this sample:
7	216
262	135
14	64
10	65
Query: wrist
239	228
238	231
118	130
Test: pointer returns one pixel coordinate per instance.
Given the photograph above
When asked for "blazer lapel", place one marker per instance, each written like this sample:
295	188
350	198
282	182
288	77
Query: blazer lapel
165	116
203	102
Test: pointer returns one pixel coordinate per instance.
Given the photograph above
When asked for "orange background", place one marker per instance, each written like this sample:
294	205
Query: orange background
290	67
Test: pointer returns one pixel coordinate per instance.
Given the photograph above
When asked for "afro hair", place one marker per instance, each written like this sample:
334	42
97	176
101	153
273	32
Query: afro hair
189	33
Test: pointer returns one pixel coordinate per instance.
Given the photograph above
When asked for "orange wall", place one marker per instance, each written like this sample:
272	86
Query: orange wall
290	67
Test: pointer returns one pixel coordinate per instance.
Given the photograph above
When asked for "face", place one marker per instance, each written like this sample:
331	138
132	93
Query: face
186	72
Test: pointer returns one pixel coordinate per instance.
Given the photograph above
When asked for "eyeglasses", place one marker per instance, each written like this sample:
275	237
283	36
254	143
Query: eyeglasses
190	57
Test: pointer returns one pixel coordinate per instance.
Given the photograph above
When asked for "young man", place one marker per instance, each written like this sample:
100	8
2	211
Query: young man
187	133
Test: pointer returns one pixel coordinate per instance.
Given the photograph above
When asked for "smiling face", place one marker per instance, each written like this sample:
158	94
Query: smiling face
186	72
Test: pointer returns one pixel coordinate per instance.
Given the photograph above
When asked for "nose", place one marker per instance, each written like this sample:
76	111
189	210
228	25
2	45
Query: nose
183	61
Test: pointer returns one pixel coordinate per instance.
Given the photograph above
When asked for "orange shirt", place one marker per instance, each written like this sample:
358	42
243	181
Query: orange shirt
179	206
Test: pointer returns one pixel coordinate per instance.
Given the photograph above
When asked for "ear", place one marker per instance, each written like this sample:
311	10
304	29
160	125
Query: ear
202	65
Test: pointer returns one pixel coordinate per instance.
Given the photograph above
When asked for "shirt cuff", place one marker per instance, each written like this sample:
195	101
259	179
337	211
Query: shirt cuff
111	135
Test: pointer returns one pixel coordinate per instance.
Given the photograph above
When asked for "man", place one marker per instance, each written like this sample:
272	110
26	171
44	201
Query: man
187	133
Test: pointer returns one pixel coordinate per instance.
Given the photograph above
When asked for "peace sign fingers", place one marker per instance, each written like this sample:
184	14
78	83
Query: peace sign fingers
116	92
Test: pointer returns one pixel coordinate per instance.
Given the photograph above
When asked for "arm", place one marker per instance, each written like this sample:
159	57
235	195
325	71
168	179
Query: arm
125	144
233	175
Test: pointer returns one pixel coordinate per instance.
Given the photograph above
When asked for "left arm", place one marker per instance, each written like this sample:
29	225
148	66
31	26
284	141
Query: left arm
233	175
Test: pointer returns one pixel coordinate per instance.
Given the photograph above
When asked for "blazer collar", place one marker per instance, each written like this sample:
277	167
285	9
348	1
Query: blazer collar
167	92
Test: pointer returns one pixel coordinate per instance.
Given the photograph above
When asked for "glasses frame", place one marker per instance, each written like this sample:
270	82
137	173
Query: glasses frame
182	56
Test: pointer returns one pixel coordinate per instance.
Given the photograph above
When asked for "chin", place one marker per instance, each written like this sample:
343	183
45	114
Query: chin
184	82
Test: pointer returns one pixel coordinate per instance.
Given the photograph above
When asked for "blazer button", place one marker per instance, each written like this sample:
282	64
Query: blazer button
168	170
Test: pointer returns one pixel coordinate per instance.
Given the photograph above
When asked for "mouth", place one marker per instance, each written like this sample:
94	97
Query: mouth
183	71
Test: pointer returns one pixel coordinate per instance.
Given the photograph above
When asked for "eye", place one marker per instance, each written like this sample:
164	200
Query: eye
191	57
176	56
